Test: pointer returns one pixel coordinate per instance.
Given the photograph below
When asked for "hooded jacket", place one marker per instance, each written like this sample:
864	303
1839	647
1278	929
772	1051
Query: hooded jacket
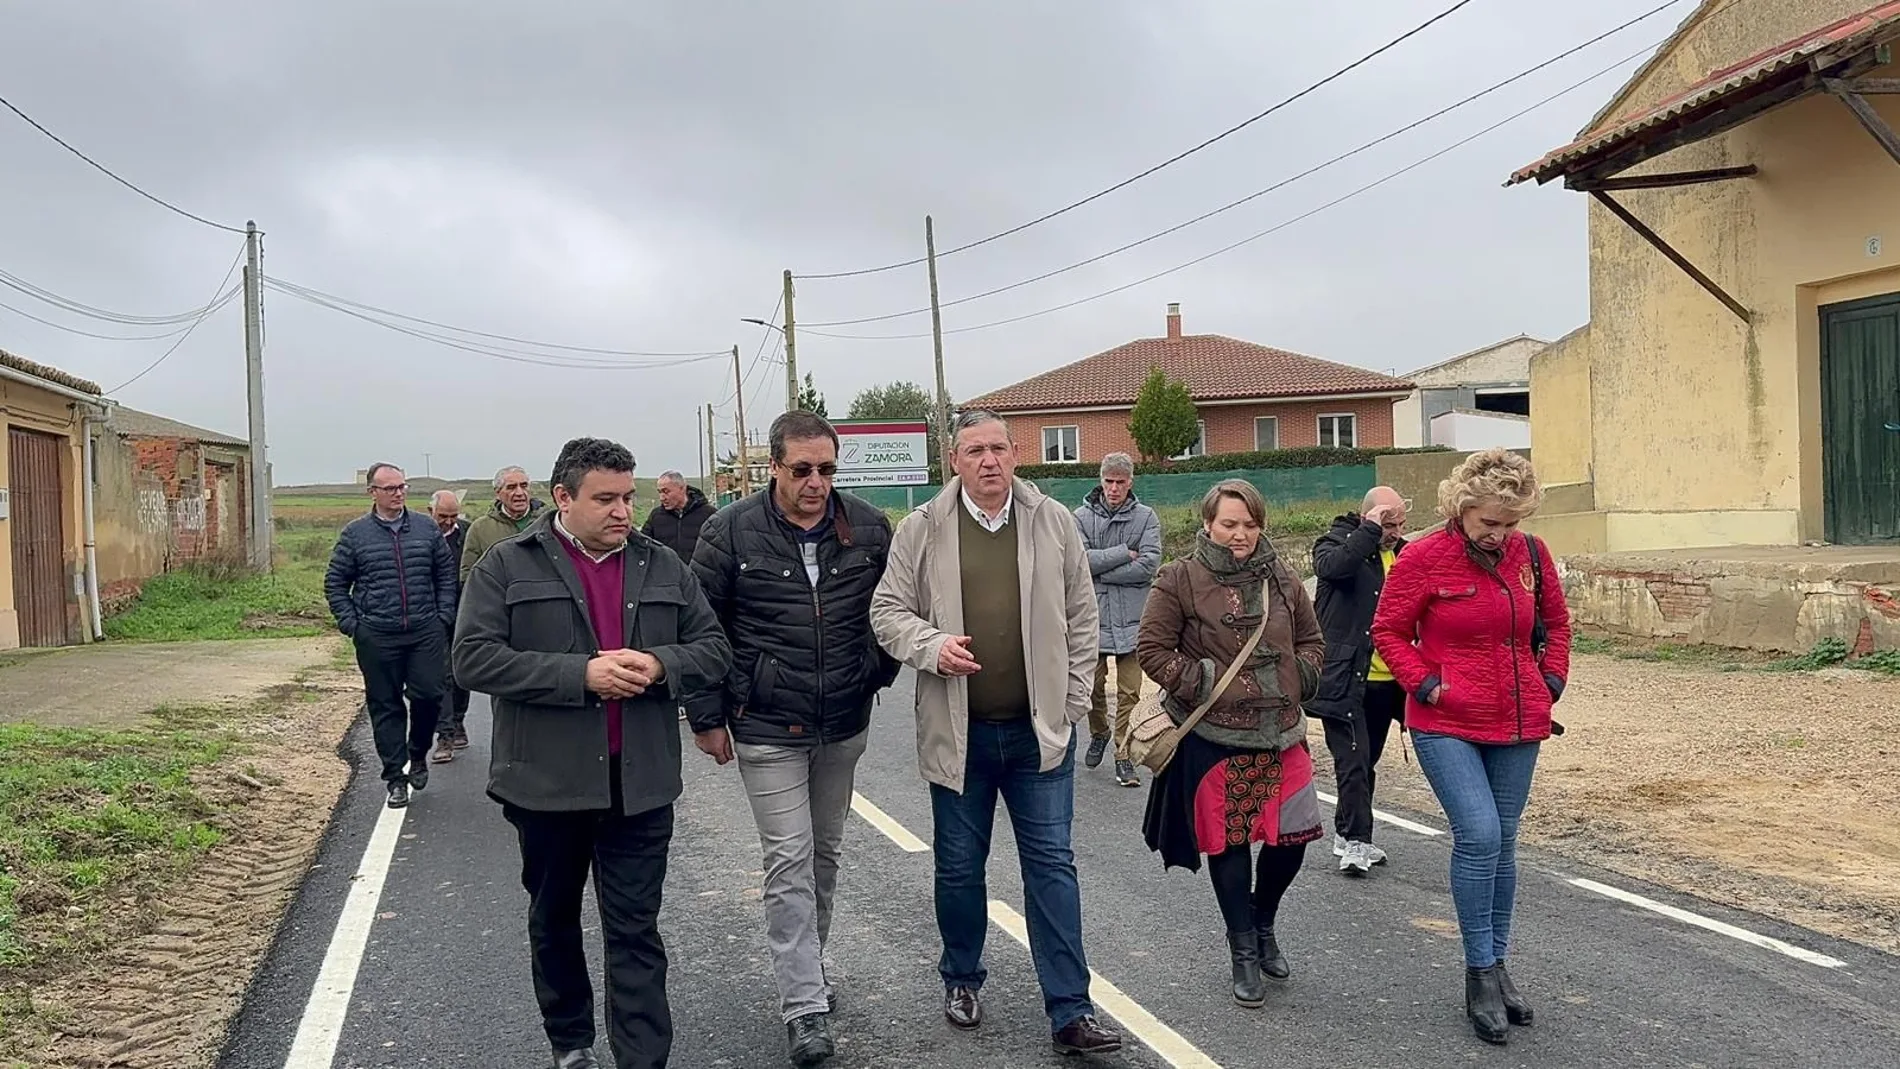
1452	617
1121	581
1350	577
679	531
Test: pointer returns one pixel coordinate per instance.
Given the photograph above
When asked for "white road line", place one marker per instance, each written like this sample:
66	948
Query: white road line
1165	1041
323	1015
1396	821
1696	919
882	821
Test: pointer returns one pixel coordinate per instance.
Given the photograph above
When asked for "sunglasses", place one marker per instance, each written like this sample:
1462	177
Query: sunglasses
804	471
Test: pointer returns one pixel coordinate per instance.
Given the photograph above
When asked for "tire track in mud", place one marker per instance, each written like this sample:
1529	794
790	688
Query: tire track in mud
165	997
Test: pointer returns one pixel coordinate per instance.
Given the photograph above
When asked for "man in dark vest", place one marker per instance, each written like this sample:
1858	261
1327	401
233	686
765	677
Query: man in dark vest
591	639
1358	700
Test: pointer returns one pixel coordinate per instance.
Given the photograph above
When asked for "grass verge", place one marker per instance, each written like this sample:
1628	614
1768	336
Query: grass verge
87	818
1828	653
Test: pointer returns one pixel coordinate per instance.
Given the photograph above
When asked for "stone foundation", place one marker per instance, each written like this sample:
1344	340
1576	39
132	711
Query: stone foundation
1784	598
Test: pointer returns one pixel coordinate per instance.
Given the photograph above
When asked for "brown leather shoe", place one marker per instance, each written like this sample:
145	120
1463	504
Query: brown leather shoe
1085	1036
444	750
961	1007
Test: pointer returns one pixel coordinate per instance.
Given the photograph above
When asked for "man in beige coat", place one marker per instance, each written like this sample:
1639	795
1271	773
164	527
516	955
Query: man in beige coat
987	595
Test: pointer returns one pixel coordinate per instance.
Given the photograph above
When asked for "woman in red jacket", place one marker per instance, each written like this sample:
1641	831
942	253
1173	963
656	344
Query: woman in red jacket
1475	629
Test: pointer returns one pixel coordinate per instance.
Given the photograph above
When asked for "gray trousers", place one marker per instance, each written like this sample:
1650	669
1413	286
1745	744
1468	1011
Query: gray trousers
801	798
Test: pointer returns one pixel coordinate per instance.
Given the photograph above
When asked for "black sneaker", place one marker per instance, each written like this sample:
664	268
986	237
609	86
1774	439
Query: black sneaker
398	794
576	1059
809	1040
419	774
1097	747
1125	774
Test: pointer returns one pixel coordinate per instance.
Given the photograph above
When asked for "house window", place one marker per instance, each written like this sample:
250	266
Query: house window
1266	433
1199	448
1339	431
1061	445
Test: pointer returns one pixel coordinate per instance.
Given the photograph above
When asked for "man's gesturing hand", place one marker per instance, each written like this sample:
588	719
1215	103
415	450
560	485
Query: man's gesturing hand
954	658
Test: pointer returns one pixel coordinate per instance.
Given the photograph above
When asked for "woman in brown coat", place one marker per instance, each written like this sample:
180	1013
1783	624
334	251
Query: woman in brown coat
1243	775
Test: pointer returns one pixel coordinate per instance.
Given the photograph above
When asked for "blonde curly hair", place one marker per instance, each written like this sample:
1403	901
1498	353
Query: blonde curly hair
1495	475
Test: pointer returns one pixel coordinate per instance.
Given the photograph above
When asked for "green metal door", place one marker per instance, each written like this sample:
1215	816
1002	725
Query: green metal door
1860	421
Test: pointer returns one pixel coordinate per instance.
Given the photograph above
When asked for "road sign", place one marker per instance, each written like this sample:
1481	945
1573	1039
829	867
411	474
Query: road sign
882	453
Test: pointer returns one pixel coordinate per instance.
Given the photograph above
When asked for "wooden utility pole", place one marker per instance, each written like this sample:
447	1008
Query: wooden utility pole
708	476
738	421
791	349
260	511
936	334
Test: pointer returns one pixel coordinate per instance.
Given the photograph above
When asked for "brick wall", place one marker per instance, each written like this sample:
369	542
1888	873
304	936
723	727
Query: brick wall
1230	428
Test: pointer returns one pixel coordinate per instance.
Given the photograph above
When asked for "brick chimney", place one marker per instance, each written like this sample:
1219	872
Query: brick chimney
1174	319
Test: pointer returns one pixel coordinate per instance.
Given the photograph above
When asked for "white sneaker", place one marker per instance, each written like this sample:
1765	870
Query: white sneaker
1374	854
1357	860
1339	846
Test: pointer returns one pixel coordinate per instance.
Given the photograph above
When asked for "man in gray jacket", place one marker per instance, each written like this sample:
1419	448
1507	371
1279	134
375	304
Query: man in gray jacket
591	639
1123	537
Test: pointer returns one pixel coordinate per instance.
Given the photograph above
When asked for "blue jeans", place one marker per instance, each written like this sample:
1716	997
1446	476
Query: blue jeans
1483	790
1004	758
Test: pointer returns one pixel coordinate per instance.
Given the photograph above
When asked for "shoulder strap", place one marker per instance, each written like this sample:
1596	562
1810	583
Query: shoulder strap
1233	670
1537	572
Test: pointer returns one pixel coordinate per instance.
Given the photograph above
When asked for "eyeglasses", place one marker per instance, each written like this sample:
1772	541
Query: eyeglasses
804	471
396	489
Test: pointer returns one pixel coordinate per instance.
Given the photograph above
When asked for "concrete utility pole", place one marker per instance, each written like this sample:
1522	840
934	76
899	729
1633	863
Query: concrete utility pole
699	443
738	422
260	510
428	465
791	349
936	334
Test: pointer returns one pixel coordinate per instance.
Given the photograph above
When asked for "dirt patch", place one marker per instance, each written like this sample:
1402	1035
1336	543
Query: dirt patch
1769	792
184	953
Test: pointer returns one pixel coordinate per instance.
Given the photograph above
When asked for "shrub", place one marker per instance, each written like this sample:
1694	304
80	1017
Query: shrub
1271	459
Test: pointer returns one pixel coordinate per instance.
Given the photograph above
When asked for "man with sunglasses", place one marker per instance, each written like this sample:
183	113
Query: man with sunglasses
392	586
789	571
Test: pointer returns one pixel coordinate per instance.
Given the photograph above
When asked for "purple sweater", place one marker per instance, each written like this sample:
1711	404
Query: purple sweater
604	584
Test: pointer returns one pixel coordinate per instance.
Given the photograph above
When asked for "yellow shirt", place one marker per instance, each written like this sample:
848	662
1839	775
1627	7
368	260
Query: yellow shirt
1380	673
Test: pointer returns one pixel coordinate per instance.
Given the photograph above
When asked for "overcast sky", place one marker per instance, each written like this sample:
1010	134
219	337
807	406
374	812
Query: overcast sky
635	175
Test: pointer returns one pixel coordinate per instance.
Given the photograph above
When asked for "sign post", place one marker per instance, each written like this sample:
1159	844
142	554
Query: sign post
883	452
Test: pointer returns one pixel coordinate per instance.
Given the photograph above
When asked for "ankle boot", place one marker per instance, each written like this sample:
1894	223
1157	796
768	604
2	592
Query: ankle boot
1249	990
1484	1004
1515	1007
1272	963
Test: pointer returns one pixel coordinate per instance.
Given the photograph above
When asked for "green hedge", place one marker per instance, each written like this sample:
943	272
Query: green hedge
1267	460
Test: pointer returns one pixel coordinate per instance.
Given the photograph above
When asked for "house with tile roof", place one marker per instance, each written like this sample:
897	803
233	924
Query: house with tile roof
1249	396
45	417
1738	383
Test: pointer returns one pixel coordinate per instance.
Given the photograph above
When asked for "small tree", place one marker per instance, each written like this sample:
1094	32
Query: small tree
1164	423
810	400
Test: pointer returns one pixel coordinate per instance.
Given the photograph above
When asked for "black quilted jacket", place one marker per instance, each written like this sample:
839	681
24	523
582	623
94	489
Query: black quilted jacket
387	580
805	665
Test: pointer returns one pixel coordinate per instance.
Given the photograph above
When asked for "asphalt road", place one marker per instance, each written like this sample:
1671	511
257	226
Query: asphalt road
1377	973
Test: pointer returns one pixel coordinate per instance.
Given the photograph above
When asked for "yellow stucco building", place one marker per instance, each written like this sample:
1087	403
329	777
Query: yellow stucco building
44	505
1738	383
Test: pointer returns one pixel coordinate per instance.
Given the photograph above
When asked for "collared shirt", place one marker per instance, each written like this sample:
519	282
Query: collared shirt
989	523
561	530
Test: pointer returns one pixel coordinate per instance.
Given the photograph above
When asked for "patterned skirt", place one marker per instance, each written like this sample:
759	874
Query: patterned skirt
1211	798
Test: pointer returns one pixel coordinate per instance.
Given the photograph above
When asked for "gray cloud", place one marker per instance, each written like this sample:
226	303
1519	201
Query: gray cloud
637	175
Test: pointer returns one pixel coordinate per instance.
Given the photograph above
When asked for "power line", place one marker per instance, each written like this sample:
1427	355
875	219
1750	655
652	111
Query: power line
104	315
228	296
104	170
497	352
296	290
1257	194
1172	160
1367	188
211	310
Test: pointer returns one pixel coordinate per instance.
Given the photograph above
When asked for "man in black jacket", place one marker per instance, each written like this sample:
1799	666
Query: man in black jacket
683	512
391	585
790	572
451	733
1358	700
590	638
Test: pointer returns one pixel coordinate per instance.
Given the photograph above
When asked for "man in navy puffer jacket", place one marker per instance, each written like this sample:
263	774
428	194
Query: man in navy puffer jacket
392	586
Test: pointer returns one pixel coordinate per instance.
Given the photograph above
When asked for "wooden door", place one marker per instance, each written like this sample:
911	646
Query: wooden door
1860	421
37	537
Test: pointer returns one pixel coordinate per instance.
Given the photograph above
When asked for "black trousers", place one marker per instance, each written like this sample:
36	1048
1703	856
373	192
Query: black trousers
627	855
454	698
1356	749
395	662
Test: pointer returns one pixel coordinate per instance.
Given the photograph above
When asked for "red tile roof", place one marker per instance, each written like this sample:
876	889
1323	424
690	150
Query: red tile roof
50	374
1877	23
1214	367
